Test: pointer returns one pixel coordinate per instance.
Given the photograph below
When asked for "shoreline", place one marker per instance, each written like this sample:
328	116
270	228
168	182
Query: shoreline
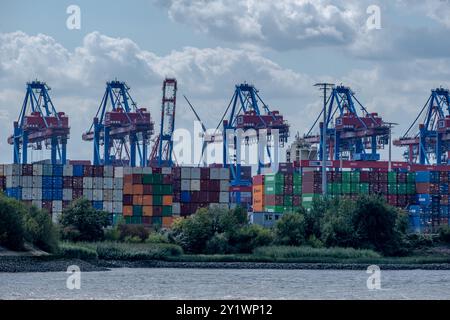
13	264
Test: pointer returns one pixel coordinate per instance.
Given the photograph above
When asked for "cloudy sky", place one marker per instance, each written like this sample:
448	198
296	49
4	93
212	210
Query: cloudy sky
282	47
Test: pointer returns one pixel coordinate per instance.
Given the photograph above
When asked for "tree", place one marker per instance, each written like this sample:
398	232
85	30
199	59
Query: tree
40	230
12	230
81	222
290	229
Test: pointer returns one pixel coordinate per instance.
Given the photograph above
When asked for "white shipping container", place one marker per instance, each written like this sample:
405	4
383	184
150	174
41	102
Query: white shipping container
127	170
97	183
108	206
108	171
224	206
56	206
166	170
13	169
108	195
185	185
224	197
67	195
97	195
27	182
13	181
87	183
108	183
136	170
117	195
118	172
27	194
37	181
147	170
37	203
117	207
88	194
214	173
195	185
214	205
185	173
224	185
56	216
224	173
68	170
118	183
195	173
176	208
37	194
37	169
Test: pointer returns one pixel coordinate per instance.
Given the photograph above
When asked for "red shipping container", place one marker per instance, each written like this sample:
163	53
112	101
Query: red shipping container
47	205
337	176
288	189
204	185
296	201
258	180
240	189
156	170
146	220
97	171
136	178
288	179
286	167
66	204
77	182
423	187
177	196
167	179
195	196
204	173
27	170
401	177
157	211
213	197
392	200
147	189
382	176
383	188
193	207
176	185
176	173
185	209
402	200
87	171
273	200
364	176
127	200
77	193
214	185
67	182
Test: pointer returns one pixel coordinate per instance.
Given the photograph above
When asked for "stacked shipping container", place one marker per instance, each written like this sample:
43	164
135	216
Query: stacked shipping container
196	188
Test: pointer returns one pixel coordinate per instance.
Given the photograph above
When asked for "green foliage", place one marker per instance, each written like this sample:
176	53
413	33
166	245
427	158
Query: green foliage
444	234
420	240
40	230
81	222
136	231
73	251
157	237
290	229
128	251
289	252
218	244
112	234
247	238
12	230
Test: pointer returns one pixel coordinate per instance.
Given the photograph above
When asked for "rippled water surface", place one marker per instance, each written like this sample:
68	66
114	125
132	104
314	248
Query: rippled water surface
227	284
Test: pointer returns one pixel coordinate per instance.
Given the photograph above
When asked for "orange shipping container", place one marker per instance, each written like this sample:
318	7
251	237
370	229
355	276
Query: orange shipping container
167	200
147	211
137	200
128	178
147	200
138	189
167	222
127	188
127	211
258	189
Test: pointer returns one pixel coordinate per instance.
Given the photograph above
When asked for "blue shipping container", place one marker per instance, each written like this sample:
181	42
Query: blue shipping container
15	193
57	194
57	170
47	182
424	199
423	176
185	196
57	182
47	194
78	170
98	205
414	210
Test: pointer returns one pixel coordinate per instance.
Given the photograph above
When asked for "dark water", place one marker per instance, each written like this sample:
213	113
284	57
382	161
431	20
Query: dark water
227	284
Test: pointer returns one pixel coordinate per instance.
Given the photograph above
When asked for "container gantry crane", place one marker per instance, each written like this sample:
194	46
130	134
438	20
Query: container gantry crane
121	128
348	134
163	148
433	138
246	114
39	123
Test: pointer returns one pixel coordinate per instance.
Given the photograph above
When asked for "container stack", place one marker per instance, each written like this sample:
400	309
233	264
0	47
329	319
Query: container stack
148	196
258	193
2	178
242	195
282	192
196	188
311	187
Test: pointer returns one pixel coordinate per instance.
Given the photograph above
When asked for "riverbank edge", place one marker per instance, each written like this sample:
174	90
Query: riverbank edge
37	264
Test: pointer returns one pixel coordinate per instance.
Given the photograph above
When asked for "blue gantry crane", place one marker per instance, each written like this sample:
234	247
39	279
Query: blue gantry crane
249	112
433	137
39	123
121	128
161	154
348	134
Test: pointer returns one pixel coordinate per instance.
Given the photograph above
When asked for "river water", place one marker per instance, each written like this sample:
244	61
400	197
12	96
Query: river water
127	283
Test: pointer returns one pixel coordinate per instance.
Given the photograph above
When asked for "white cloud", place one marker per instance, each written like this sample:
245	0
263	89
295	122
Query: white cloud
276	24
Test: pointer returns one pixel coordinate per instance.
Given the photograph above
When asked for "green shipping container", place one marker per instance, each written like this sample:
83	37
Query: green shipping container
346	188
392	177
355	177
392	188
278	209
157	189
167	189
157	200
337	188
411	177
401	188
288	201
156	220
273	188
410	188
364	188
354	187
287	209
157	178
167	211
346	176
297	189
137	211
133	220
147	179
274	178
297	179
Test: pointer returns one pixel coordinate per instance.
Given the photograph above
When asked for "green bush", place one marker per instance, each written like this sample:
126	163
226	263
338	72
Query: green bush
290	229
156	237
72	251
141	251
444	234
136	231
218	244
247	238
290	252
81	222
12	229
112	234
40	230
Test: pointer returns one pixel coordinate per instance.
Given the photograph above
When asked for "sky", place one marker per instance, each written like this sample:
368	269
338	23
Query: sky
282	47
